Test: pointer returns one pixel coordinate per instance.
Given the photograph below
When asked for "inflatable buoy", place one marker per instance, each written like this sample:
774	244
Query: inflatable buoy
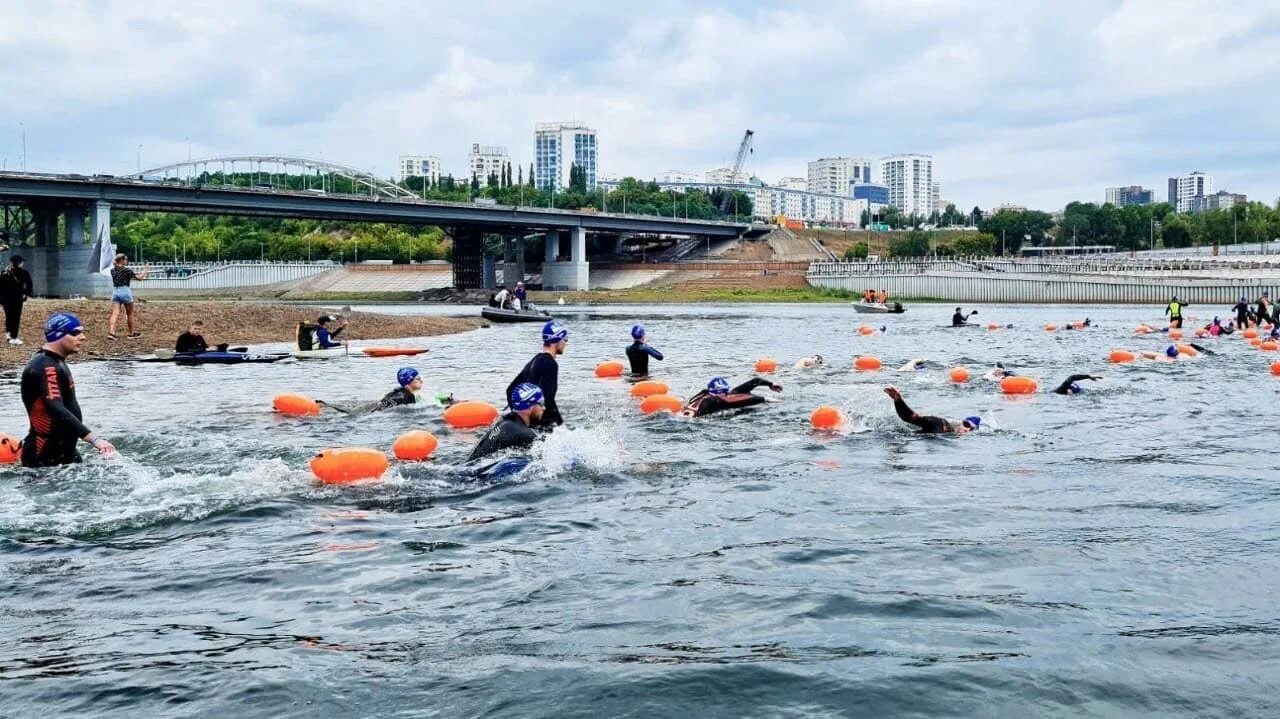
1018	385
867	363
1187	350
1275	368
1050	328
1121	356
766	365
866	330
415	446
993	326
1255	342
1250	333
1269	346
648	387
464	415
959	375
10	449
349	464
1202	332
294	404
1175	334
661	403
826	417
612	368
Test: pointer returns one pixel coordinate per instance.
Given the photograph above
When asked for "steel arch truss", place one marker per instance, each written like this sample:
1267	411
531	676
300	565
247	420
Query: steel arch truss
364	182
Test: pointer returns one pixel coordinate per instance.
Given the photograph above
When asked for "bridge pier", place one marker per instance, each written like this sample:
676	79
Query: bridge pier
468	258
62	270
571	275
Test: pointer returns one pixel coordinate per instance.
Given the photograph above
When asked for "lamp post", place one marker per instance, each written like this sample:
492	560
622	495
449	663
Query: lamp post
139	160
24	146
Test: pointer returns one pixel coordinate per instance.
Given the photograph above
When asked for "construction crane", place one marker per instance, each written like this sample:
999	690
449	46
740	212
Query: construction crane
744	149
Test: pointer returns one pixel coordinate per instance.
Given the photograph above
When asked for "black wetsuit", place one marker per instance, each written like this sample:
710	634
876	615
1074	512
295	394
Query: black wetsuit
395	398
49	393
508	433
544	371
15	288
188	342
958	320
927	424
1065	387
638	354
705	403
1174	310
1242	314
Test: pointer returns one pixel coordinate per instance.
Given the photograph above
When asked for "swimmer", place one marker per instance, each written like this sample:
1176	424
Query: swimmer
809	362
49	393
544	372
1214	328
1170	354
913	365
515	429
410	383
639	352
1144	327
927	424
717	397
1070	386
998	372
1241	309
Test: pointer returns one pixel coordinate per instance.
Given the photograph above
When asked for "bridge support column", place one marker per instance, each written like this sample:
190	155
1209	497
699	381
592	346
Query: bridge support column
468	259
62	270
100	222
571	275
74	224
552	240
490	272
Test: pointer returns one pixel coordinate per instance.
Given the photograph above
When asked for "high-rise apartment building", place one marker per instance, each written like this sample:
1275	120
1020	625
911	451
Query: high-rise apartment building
427	166
834	175
935	198
794	183
1221	200
487	161
558	146
1183	190
910	182
1131	195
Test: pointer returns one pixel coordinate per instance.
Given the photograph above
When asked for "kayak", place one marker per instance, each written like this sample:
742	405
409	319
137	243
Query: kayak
321	354
878	309
394	351
496	314
228	357
956	327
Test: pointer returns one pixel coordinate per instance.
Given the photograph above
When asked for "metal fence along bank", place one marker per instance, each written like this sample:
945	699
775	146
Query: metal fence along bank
1096	281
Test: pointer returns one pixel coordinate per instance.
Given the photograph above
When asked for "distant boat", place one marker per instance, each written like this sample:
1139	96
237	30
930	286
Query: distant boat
870	308
496	314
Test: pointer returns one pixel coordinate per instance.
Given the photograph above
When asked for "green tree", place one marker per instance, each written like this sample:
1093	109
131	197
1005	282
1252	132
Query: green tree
912	244
981	245
1011	227
1175	233
859	251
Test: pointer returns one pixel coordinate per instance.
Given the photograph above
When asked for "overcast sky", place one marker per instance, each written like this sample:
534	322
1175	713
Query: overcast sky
1036	103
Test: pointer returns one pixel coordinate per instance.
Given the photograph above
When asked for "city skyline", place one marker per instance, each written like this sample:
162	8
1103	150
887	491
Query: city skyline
1012	109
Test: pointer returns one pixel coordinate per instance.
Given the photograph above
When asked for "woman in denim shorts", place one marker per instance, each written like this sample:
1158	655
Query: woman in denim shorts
122	296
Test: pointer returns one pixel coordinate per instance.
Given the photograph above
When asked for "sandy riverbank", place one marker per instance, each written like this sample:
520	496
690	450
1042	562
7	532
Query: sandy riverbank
239	323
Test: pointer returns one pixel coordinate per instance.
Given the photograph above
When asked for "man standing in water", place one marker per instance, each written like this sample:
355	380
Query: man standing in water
49	393
544	372
639	352
1174	310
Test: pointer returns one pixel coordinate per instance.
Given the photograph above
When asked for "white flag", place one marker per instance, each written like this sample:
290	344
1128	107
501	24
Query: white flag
102	255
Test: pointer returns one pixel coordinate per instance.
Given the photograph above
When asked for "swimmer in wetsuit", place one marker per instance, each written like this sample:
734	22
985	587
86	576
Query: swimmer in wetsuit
544	372
639	352
515	429
49	393
809	362
717	397
928	424
407	393
1070	385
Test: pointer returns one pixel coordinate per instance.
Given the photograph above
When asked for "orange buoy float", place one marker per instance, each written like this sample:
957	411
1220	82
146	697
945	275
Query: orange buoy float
959	375
661	403
415	445
1250	333
866	330
648	387
1175	334
826	417
612	368
1202	332
1121	356
1275	368
348	464
867	363
1187	350
465	415
294	404
1078	325
1050	328
1255	342
10	449
1018	385
1269	346
993	326
766	365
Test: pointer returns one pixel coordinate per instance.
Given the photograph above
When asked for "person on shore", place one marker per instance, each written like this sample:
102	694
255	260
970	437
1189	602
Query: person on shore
1071	385
1174	310
49	394
929	424
809	362
15	289
520	300
515	429
959	319
325	337
544	372
639	352
122	296
718	397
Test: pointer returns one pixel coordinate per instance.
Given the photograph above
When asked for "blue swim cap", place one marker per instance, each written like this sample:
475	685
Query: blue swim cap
1074	389
883	328
525	395
1171	351
975	421
406	375
718	385
60	325
637	332
553	332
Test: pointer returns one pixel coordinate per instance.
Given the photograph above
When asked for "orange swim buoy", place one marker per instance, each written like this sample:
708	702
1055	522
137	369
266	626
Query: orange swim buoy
612	368
1121	356
294	404
1018	385
1269	346
867	363
1078	325
415	445
1187	350
993	326
1250	333
465	415
648	387
661	403
826	417
1175	334
866	330
10	449
1050	328
766	365
959	375
1275	368
348	464
1255	342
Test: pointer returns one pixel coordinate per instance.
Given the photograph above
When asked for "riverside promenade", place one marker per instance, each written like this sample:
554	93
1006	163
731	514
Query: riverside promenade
1093	279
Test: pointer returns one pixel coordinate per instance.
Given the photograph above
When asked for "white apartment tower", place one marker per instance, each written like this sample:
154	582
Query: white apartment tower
489	160
834	175
420	166
558	146
910	182
1183	190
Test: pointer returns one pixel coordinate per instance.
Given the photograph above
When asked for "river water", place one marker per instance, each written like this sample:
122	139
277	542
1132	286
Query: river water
1113	553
